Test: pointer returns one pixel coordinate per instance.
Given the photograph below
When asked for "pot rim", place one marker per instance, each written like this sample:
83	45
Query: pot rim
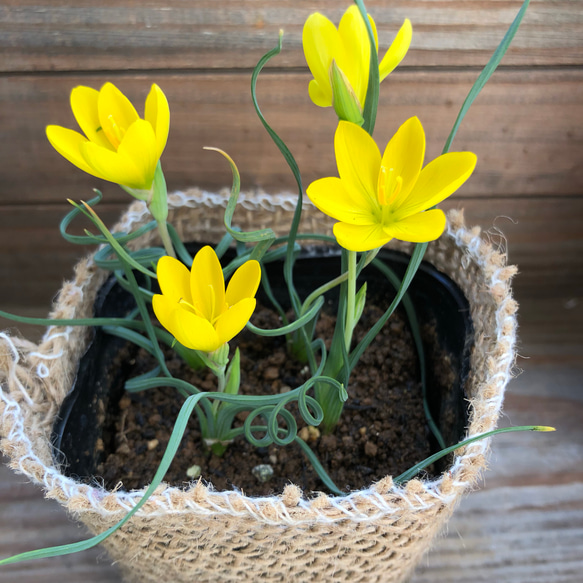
480	271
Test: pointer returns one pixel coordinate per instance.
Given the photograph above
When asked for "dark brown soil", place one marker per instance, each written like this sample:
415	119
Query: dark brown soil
382	431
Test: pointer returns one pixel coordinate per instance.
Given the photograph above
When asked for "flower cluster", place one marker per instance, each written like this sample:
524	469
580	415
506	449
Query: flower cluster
379	198
339	57
181	301
118	144
375	198
194	306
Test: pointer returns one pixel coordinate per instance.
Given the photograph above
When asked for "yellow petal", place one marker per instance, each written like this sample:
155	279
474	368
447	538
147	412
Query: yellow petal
174	279
69	144
231	322
164	309
404	155
157	112
438	180
418	228
354	207
358	159
84	106
116	113
194	332
321	96
355	41
190	330
139	146
207	284
244	282
360	237
321	44
397	50
112	166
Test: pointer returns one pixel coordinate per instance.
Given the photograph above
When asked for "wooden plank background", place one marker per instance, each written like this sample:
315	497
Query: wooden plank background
527	191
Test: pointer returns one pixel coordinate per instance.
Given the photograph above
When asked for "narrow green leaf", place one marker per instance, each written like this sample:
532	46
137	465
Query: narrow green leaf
131	336
414	262
486	73
224	244
181	251
412	472
168	457
291	161
359	302
71	321
68	219
234	374
121	238
119	250
372	93
263	238
296	325
326	479
145	257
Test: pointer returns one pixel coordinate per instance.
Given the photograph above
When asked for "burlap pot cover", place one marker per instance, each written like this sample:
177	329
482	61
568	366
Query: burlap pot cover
375	534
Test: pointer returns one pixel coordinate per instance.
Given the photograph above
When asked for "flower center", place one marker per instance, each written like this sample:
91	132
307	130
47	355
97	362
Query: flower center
211	304
208	309
113	131
389	186
183	302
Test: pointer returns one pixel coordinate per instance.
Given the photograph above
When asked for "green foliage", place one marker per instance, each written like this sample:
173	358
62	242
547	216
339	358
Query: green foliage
320	399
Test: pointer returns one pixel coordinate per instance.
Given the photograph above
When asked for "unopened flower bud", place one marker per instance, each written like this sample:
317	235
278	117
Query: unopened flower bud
344	99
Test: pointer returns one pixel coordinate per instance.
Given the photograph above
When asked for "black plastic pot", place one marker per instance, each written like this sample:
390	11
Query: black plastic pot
81	428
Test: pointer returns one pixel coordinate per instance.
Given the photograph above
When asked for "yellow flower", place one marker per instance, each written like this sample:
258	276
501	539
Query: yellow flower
194	306
118	145
349	47
377	199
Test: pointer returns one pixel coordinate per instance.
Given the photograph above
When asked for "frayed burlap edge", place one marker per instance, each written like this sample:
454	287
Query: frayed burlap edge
370	535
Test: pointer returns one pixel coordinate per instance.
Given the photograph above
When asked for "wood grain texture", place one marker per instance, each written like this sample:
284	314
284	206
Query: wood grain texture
48	35
525	524
29	521
525	128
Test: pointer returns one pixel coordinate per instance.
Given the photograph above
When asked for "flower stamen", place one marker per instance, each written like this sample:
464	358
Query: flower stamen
115	133
183	302
389	186
212	303
396	190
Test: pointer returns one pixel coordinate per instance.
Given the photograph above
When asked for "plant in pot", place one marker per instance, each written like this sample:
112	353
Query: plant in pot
280	339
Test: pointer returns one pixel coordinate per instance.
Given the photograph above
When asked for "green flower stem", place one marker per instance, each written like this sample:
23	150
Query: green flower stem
146	318
217	362
217	444
221	381
334	282
156	200
158	206
350	322
165	236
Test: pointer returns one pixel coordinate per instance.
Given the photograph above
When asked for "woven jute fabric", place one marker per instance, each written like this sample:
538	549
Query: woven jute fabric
199	534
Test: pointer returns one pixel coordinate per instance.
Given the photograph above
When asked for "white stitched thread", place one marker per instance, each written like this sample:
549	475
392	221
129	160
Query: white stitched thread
42	370
12	374
47	356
